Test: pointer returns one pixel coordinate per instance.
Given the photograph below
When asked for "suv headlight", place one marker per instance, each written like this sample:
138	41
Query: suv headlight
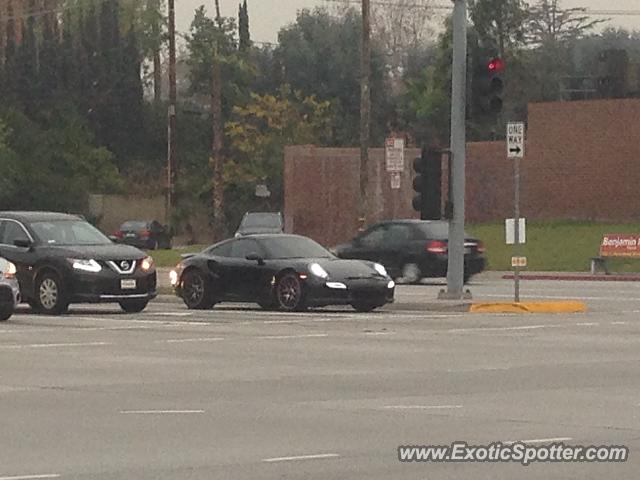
85	265
380	269
146	264
10	272
318	271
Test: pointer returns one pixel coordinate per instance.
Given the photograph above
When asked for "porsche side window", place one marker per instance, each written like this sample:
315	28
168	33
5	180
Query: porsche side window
243	247
223	250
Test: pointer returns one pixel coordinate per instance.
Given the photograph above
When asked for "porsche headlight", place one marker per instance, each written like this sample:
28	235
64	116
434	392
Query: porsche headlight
380	269
318	271
146	264
85	265
173	278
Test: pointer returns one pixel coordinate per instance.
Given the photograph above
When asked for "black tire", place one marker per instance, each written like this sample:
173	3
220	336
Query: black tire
134	305
289	293
411	273
5	313
51	297
364	307
197	291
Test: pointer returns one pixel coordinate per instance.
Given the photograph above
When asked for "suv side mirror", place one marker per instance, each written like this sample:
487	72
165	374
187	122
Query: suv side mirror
254	257
22	243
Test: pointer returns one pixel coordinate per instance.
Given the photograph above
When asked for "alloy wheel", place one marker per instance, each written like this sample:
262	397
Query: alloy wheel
48	293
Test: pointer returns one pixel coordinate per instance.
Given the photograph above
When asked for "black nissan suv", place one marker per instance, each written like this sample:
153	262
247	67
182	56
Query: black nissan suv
62	259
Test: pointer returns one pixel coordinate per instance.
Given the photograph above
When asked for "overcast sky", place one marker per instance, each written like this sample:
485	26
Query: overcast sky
266	17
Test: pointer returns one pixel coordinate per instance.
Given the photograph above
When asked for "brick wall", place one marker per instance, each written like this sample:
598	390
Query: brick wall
322	190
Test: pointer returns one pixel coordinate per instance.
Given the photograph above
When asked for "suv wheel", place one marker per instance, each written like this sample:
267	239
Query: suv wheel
133	306
51	298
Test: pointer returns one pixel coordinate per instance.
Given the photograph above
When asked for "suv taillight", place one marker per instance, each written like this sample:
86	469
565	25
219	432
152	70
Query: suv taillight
436	246
118	234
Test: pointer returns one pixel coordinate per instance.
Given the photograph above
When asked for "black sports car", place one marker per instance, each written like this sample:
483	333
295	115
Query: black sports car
62	259
289	272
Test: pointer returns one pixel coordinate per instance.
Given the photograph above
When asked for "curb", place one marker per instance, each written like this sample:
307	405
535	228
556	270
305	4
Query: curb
568	306
579	278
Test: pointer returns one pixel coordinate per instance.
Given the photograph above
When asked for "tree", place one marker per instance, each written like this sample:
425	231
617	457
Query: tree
243	27
548	23
319	55
257	136
499	23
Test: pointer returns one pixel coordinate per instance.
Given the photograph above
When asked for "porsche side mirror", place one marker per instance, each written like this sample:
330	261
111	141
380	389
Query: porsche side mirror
254	257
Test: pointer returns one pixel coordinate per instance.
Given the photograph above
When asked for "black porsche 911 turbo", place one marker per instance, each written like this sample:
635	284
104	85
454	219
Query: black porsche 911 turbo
278	271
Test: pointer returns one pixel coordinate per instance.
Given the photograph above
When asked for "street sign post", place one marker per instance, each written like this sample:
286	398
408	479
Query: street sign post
515	150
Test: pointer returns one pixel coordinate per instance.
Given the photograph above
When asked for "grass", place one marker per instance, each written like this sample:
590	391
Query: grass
557	245
169	258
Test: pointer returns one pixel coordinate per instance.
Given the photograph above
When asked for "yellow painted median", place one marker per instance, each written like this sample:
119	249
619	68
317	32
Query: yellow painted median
569	306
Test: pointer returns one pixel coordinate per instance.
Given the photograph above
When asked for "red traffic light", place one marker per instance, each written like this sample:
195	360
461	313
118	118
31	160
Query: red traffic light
496	65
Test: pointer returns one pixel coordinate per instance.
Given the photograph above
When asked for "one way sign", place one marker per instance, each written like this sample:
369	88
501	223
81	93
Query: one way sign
515	140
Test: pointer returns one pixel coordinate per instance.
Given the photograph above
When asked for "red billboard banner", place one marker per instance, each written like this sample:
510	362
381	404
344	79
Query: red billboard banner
620	245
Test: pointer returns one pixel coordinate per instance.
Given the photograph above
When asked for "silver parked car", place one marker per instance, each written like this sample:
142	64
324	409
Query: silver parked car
9	290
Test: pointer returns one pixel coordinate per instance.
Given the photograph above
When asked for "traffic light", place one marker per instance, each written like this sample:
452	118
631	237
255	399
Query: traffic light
428	184
488	85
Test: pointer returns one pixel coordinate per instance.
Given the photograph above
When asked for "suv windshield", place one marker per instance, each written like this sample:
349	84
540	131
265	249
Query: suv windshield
261	220
68	232
294	247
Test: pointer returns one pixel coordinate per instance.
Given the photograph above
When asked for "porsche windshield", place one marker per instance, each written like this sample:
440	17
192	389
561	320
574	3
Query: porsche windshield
68	232
294	247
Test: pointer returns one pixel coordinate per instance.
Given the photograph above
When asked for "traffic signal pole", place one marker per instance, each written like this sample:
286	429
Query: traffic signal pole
455	271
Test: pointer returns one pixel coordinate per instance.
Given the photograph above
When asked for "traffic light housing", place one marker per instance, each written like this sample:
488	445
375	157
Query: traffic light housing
427	184
488	85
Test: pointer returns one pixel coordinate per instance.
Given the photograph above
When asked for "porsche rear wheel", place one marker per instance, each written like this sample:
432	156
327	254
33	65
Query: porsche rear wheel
290	293
364	307
197	291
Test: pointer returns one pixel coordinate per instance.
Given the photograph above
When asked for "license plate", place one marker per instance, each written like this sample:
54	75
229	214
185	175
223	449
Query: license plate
130	235
128	284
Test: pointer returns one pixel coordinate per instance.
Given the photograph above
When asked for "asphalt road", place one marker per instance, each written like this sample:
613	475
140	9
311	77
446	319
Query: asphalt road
246	394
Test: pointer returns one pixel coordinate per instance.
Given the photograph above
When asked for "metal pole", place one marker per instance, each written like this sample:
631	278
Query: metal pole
455	271
516	221
172	164
365	109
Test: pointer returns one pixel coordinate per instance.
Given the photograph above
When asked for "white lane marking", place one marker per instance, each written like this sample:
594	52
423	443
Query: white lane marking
501	329
618	323
540	440
477	369
379	333
421	407
271	322
301	457
186	340
285	337
54	345
31	477
169	314
159	412
587	324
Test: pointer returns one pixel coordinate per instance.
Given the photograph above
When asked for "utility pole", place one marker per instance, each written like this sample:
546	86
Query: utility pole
455	270
217	130
154	6
172	163
365	109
